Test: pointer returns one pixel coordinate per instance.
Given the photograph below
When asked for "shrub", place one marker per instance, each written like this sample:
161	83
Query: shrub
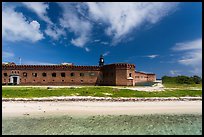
196	79
184	80
181	80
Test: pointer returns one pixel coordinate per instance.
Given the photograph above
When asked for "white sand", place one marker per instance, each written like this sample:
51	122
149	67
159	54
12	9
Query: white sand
12	109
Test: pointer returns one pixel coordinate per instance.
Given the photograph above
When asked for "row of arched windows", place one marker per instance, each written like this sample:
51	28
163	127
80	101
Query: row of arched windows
55	74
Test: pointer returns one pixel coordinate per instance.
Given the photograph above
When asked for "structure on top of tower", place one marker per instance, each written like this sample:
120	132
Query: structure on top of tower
101	61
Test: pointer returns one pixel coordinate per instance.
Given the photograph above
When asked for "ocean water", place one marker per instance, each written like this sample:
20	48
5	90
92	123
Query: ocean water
104	125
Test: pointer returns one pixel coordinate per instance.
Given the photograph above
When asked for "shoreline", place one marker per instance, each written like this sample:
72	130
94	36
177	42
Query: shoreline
90	108
108	99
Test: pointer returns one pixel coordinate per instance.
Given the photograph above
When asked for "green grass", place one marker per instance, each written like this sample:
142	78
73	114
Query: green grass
183	86
30	92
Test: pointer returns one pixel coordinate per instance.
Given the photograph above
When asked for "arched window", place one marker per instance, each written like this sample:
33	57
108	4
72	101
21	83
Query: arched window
34	74
72	74
91	74
81	74
63	74
24	74
54	74
44	74
5	74
130	74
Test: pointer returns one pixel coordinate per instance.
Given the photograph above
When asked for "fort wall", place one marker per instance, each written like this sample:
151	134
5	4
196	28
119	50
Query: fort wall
119	74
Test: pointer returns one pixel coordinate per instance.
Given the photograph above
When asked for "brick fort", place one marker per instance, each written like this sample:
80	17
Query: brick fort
117	74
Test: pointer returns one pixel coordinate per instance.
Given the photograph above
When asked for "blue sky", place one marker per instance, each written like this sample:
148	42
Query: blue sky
162	38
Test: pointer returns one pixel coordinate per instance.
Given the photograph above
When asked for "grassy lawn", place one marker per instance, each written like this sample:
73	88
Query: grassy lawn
29	92
183	86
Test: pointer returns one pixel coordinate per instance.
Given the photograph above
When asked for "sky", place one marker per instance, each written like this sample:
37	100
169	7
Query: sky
158	37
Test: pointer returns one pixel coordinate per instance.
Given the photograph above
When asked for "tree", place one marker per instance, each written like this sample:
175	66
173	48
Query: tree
181	80
184	80
196	79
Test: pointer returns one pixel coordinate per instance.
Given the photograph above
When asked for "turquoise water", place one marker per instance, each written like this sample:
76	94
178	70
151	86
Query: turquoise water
146	83
104	125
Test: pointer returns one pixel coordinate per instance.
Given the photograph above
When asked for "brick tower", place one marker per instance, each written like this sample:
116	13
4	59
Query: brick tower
101	61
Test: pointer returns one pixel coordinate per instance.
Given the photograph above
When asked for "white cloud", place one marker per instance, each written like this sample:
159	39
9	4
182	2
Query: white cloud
40	8
54	32
15	27
104	43
189	45
96	40
80	41
7	55
192	54
152	56
79	26
106	53
122	18
87	49
175	72
30	62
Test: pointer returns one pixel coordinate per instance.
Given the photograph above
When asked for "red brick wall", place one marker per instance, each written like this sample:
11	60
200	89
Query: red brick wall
90	76
87	79
112	74
143	77
122	74
108	75
151	77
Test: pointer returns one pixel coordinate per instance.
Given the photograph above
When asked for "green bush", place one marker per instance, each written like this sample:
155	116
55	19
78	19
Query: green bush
184	80
196	79
181	80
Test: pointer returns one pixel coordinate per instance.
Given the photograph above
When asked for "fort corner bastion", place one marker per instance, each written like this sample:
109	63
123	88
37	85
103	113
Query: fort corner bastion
117	74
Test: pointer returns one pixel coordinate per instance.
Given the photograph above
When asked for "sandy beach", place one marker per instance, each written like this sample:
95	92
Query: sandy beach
21	108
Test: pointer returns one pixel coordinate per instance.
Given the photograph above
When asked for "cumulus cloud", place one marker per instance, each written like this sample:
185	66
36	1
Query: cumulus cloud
118	18
79	26
15	27
40	8
80	41
192	54
122	18
54	32
151	56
